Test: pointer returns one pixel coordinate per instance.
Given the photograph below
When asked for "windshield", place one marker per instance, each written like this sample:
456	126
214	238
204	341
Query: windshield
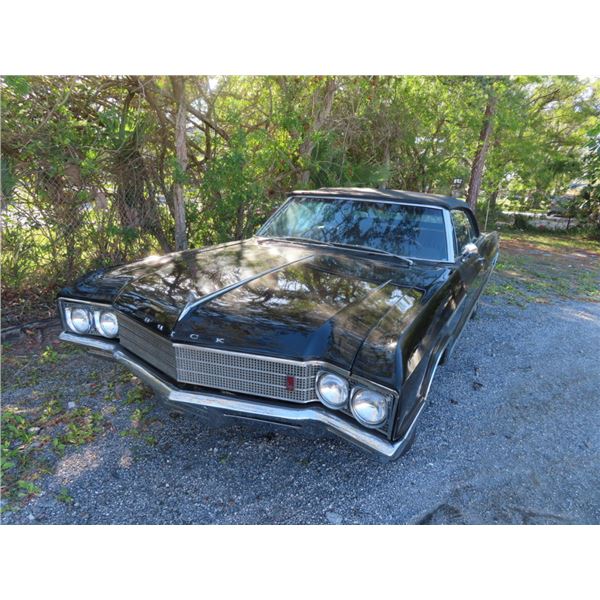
412	231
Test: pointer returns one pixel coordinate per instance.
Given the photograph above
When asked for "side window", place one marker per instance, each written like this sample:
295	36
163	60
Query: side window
465	232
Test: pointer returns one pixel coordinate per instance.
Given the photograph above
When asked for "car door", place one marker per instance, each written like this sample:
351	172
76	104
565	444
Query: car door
471	266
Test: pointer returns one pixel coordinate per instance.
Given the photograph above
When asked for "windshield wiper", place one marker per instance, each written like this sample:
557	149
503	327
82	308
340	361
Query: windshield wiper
368	249
293	240
371	250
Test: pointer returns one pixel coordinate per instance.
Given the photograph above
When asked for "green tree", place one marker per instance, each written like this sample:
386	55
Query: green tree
101	170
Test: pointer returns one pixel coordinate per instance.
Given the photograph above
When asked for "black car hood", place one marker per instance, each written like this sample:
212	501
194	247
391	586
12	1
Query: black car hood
300	302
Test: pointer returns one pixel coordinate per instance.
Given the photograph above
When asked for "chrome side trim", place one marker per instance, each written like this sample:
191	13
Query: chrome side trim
295	415
436	364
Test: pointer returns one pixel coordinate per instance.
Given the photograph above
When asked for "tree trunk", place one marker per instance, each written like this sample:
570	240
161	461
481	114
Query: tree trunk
491	207
322	103
239	222
482	149
181	242
387	162
493	198
135	198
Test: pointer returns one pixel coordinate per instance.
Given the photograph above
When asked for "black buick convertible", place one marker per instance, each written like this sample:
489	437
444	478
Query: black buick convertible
332	318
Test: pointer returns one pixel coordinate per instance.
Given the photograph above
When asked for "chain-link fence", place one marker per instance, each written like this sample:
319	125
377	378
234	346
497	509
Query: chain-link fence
54	230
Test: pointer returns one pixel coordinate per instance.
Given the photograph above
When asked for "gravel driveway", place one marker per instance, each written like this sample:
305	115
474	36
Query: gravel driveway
511	435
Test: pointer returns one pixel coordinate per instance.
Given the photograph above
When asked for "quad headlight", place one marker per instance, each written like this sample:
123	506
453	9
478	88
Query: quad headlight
90	319
106	323
332	389
78	319
369	407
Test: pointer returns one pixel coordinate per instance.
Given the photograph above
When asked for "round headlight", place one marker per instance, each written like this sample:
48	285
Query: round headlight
79	320
106	323
332	390
369	407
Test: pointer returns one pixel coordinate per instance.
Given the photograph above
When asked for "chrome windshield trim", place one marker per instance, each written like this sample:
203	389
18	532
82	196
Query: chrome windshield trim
268	221
449	235
445	212
373	200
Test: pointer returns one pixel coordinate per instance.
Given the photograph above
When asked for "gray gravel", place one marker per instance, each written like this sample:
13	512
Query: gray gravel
511	435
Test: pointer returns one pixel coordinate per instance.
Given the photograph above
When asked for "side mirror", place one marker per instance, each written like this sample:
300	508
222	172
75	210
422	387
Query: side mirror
468	251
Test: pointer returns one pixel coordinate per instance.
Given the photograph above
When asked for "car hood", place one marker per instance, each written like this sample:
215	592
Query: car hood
283	300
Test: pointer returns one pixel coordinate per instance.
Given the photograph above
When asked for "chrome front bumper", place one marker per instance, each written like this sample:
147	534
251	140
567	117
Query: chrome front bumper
255	410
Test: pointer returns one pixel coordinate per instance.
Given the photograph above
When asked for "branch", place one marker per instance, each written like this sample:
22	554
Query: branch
208	123
193	111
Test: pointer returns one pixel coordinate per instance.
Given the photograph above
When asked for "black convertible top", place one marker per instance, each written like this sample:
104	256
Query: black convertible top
384	194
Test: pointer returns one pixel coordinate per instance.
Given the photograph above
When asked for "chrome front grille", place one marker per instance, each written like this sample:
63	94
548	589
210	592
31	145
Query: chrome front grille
149	346
246	373
250	374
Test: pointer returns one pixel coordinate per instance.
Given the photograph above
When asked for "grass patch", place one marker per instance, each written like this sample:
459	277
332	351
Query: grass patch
83	425
38	427
27	489
138	398
49	356
64	496
29	366
545	268
32	440
137	395
19	465
509	292
553	241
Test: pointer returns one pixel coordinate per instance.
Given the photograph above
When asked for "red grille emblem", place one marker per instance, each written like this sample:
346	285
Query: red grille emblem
290	383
